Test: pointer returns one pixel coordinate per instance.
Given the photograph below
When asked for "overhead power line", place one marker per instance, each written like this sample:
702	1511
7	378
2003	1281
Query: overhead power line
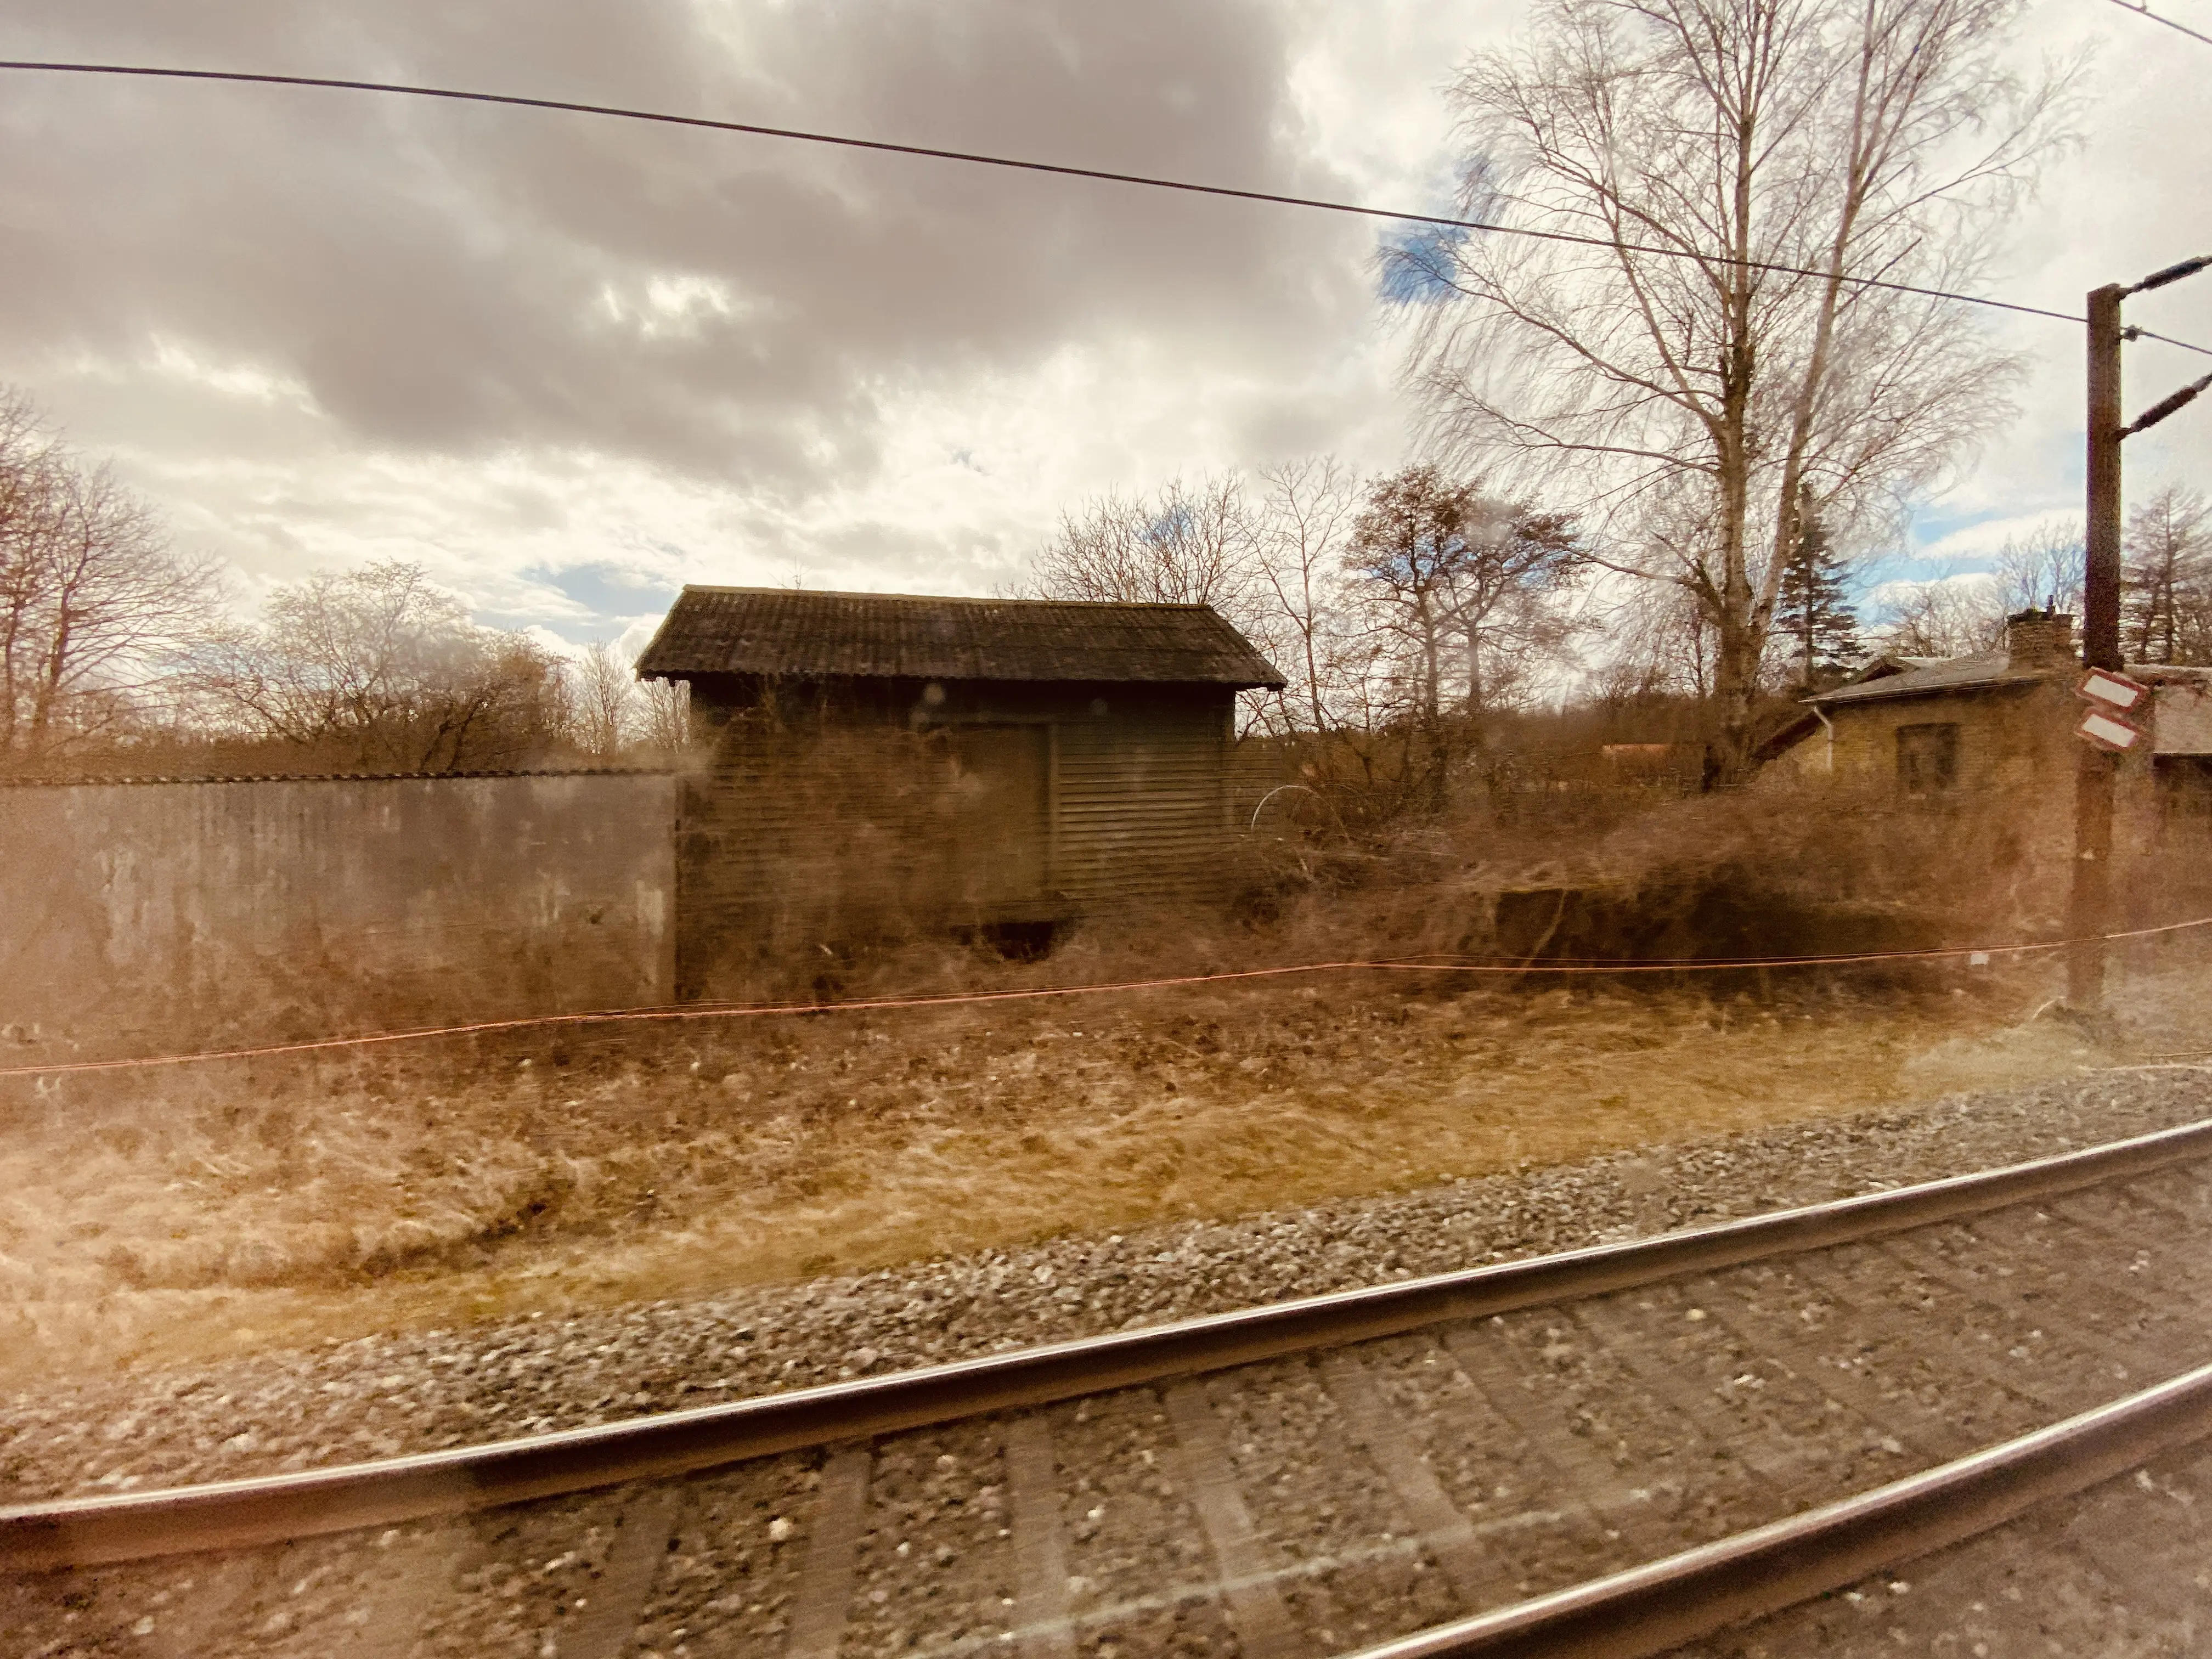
2167	339
2143	10
1019	164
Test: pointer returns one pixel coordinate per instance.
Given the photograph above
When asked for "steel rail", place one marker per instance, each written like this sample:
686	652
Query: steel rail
1648	1609
273	1509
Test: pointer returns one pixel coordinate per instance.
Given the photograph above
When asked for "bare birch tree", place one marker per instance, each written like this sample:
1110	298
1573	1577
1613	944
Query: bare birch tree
1699	143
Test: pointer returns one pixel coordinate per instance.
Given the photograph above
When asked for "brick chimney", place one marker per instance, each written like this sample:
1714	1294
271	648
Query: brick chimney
2039	641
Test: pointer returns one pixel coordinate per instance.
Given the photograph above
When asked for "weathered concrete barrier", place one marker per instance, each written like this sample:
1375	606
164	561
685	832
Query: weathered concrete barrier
277	906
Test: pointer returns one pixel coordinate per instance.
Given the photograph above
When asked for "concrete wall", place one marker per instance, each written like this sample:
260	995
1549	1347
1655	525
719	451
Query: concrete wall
284	906
2181	711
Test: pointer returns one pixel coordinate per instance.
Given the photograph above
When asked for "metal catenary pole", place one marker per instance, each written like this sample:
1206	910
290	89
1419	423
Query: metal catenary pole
2089	912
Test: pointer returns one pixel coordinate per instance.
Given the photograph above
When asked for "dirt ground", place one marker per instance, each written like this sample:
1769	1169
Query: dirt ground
215	1210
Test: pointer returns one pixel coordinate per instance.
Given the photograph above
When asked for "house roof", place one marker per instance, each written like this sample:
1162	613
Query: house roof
1908	677
785	631
1895	674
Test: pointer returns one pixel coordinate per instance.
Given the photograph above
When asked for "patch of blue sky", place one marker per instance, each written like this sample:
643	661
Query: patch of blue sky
1417	260
1164	529
1919	560
610	595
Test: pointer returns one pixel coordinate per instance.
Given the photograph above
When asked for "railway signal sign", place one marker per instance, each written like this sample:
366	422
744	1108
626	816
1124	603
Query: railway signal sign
2108	732
2114	690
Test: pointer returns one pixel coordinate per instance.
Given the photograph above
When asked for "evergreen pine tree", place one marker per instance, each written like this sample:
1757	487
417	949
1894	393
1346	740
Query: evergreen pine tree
1813	610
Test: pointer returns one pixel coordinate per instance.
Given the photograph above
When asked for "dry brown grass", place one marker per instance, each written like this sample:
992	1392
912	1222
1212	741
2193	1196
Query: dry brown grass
224	1210
181	1214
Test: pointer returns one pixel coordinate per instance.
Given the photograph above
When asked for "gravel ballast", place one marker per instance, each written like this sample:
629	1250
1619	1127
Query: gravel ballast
373	1397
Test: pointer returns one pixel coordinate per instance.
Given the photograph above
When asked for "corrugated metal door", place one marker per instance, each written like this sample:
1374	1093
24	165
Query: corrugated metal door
1142	806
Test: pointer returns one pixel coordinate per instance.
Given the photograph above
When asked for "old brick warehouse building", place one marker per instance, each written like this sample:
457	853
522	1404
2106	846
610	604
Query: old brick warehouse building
878	763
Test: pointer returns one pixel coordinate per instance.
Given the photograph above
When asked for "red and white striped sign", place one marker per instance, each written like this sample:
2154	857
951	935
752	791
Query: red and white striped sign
2114	690
2108	732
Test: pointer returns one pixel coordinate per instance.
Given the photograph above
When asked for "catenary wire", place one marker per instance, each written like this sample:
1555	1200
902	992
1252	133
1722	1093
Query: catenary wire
2143	10
1017	164
865	1004
2165	339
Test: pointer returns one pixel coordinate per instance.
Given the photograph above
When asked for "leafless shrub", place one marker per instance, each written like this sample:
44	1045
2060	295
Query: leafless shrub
379	668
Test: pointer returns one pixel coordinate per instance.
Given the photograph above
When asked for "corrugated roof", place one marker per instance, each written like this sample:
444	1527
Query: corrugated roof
785	631
1959	673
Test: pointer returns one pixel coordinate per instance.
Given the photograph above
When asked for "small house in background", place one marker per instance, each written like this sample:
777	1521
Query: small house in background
1939	726
878	763
1995	732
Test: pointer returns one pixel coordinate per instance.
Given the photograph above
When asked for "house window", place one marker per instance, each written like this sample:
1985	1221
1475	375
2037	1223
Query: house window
1928	758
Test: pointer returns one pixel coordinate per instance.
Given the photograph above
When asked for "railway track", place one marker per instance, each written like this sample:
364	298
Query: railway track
1612	1451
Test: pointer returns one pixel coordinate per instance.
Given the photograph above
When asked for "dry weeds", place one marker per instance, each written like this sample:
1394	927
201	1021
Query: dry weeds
223	1209
174	1215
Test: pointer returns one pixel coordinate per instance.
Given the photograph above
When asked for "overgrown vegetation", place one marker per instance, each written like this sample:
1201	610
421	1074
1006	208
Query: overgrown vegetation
191	1213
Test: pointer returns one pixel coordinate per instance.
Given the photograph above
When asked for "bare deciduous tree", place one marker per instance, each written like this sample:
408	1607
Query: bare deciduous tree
1460	582
1300	543
94	605
1952	614
2168	584
1662	645
607	700
2041	570
666	720
1188	544
1960	613
1696	142
1404	548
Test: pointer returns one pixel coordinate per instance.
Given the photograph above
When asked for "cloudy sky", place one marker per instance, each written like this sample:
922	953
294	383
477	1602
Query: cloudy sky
568	364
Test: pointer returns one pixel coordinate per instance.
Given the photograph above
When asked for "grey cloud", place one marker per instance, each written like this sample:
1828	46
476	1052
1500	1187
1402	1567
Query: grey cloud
439	277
